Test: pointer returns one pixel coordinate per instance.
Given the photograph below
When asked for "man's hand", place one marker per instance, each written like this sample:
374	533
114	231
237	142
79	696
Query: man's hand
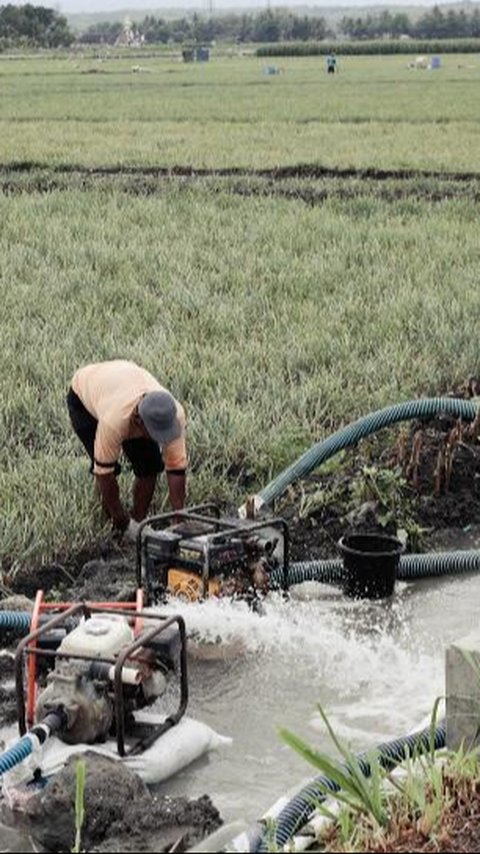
131	531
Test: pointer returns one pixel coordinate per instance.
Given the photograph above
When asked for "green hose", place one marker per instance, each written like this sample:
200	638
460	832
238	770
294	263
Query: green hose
349	436
411	567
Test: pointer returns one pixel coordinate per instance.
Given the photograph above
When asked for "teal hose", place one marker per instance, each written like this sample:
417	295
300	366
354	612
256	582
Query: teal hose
16	754
15	621
21	750
349	436
324	571
411	568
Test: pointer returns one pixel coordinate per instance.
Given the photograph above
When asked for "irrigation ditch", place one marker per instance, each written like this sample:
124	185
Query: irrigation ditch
302	182
423	479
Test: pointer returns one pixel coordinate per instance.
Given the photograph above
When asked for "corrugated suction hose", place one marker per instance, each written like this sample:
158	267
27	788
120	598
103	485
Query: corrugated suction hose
299	809
349	436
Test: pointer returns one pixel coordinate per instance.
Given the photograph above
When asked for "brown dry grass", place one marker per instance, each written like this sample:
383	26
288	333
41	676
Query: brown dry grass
457	828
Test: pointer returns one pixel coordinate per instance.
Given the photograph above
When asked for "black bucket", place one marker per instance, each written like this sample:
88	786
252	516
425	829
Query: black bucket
371	563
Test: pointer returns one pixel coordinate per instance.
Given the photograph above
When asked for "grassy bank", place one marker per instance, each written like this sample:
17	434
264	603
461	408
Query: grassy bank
430	802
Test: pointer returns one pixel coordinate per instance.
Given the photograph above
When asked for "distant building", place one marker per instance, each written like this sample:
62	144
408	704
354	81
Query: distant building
129	36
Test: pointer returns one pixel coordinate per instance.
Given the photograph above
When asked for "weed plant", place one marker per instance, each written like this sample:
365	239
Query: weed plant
426	801
80	782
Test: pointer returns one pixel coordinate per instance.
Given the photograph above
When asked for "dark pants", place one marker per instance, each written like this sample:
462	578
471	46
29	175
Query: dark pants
144	454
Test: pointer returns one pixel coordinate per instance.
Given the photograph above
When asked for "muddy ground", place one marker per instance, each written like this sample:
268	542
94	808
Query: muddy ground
120	812
421	479
306	183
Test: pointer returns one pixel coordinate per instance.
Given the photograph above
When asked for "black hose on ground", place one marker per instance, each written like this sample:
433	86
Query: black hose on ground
411	567
300	808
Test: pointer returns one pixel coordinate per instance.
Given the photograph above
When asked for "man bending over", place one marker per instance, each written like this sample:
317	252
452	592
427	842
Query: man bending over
117	406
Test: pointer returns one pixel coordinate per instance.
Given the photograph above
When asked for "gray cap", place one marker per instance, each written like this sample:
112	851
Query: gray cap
158	411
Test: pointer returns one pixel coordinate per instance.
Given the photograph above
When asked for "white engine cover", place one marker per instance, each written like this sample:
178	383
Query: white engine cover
103	635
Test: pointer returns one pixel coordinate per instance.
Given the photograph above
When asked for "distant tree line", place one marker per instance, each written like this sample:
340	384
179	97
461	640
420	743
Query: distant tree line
33	26
434	24
265	26
37	26
272	26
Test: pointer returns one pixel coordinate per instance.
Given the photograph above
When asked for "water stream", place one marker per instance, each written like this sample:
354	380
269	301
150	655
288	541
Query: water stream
376	668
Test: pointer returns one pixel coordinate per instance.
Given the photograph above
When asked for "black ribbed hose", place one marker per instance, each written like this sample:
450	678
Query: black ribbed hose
411	567
349	436
298	811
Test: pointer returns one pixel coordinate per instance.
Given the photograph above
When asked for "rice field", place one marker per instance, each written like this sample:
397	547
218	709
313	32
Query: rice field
276	305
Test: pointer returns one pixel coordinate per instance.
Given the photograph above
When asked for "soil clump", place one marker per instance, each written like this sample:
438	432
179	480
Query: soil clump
117	805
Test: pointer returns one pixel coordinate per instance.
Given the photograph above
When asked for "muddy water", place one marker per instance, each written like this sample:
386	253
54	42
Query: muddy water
376	667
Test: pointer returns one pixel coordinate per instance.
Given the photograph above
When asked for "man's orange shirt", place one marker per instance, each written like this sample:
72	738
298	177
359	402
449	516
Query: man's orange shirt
111	391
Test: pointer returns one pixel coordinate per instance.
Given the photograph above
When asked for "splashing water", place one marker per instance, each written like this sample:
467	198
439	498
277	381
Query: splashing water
354	657
376	667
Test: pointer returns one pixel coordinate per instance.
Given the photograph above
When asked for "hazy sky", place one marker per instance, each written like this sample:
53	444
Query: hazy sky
71	6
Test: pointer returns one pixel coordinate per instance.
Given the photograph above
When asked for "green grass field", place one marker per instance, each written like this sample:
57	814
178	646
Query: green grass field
275	309
376	113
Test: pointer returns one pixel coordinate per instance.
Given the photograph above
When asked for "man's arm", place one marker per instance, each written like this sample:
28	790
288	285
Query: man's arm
143	489
107	486
177	487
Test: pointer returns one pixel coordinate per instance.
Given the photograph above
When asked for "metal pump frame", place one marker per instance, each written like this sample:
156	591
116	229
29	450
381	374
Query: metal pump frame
28	650
199	513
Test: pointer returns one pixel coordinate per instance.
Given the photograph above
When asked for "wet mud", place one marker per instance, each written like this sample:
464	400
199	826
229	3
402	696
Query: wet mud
8	705
299	170
121	814
308	183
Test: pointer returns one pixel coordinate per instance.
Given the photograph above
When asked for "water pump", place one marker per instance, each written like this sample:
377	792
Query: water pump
95	666
197	553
